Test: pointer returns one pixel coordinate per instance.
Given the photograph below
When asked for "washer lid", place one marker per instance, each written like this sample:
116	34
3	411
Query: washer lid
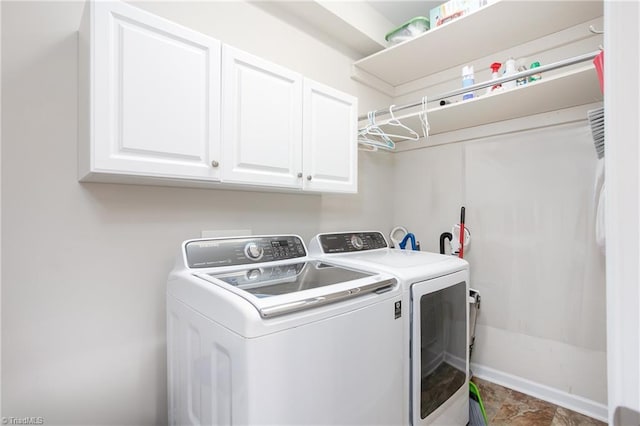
284	288
269	281
396	258
408	266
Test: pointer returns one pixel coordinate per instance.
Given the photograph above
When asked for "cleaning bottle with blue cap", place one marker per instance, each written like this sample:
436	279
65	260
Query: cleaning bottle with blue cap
467	80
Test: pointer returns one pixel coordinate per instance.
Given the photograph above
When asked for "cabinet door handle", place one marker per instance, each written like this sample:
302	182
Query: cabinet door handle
309	177
214	163
300	174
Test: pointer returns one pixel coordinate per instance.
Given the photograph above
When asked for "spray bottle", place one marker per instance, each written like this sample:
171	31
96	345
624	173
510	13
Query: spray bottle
495	67
510	66
535	77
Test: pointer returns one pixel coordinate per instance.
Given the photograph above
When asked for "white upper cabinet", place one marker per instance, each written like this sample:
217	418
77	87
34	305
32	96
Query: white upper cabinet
163	104
280	129
150	96
330	144
262	116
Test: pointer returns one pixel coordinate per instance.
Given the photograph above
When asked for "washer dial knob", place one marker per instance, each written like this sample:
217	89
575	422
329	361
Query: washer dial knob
253	274
356	242
253	251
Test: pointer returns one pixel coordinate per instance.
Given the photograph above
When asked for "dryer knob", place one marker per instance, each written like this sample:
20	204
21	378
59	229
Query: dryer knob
253	251
356	242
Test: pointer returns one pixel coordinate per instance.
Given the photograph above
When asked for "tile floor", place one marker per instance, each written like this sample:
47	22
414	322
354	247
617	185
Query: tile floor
508	407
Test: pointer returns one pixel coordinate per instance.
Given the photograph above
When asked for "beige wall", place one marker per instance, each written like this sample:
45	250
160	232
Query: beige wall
84	265
530	208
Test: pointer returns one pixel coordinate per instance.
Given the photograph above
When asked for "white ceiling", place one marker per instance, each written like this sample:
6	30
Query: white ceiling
399	12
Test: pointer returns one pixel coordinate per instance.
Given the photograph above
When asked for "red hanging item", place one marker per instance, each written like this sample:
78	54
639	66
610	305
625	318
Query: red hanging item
598	62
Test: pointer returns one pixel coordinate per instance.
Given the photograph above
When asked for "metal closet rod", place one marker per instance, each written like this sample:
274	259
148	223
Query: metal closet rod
526	73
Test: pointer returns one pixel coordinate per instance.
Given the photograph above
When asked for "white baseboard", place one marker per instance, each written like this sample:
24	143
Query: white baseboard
572	402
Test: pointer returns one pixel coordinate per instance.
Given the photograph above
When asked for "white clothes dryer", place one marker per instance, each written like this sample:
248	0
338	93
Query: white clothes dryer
258	333
435	314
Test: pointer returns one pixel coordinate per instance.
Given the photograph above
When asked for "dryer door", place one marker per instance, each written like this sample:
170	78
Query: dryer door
439	350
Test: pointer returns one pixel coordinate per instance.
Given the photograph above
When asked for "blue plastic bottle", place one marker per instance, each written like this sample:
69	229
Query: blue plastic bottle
467	80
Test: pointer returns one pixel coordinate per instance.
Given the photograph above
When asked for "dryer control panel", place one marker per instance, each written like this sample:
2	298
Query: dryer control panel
352	241
218	252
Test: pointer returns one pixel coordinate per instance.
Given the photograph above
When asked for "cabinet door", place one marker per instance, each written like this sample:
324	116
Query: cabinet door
154	95
330	149
262	121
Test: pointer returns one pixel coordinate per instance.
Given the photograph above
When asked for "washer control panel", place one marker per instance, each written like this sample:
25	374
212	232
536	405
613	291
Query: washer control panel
207	253
352	241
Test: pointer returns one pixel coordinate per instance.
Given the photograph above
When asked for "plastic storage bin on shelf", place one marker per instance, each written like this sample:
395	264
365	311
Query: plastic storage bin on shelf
454	9
408	30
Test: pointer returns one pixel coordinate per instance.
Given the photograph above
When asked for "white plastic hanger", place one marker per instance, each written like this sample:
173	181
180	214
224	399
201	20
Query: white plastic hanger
372	137
413	135
423	119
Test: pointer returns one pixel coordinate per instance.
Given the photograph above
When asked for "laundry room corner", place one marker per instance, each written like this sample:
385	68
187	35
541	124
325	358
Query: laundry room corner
529	208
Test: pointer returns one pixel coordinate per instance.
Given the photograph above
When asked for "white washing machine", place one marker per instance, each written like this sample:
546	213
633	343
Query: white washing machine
435	289
258	333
